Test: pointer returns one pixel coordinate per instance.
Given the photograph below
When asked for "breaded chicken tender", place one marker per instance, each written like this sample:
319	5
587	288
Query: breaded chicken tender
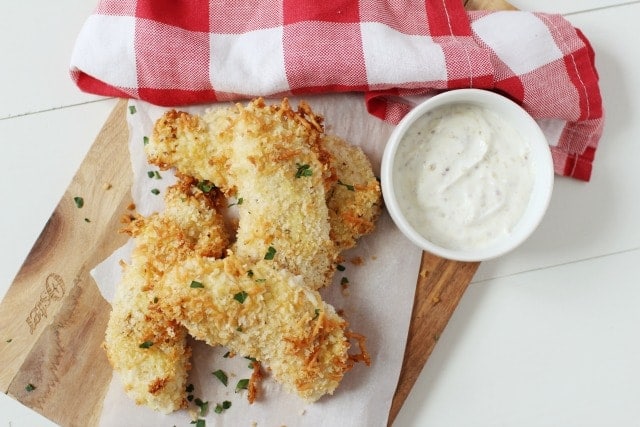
270	158
354	200
145	347
268	313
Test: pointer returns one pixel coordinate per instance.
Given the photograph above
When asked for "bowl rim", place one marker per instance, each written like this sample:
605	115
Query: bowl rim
543	169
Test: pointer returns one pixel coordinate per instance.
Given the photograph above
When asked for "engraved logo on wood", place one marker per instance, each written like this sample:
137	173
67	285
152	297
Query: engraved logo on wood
53	291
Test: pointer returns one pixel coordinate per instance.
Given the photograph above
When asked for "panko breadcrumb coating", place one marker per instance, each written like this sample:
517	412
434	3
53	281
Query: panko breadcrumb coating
269	157
145	347
265	312
354	200
302	197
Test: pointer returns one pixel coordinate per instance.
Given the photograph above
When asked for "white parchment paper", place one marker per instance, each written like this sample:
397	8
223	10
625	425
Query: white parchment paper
377	303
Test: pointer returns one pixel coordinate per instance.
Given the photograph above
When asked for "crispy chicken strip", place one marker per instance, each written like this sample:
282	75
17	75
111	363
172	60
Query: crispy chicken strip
145	347
255	309
354	200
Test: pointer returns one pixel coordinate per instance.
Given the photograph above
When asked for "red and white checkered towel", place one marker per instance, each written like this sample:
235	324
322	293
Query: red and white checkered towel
177	52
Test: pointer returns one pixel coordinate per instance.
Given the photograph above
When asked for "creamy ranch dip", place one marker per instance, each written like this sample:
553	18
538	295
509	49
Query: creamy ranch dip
463	176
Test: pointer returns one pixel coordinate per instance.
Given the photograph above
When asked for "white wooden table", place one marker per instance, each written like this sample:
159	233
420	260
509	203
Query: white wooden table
546	336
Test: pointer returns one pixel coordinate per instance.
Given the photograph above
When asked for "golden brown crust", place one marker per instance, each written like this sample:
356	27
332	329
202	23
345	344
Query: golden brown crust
147	348
302	197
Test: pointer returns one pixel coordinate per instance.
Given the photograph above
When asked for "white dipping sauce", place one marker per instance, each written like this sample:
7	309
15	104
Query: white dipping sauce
463	176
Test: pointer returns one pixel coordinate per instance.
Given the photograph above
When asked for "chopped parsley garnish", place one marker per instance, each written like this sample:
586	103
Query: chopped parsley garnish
155	191
204	406
79	202
154	174
222	376
9	340
205	186
271	253
348	186
316	313
252	359
195	284
146	344
145	140
250	273
87	220
222	407
226	355
240	296
344	281
30	387
303	170
239	329
132	109
341	267
190	388
199	423
242	384
238	202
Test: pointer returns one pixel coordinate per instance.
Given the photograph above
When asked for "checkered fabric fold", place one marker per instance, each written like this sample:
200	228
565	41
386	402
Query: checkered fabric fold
178	52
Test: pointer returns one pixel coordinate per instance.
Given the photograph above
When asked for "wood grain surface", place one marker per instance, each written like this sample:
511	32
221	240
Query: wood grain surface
54	318
53	314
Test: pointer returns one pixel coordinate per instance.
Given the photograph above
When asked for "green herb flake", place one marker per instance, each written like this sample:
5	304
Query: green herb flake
238	202
303	170
190	388
252	359
271	253
30	387
250	273
87	220
199	423
261	280
222	407
241	296
132	109
344	281
190	397
242	384
155	300
341	267
205	186
222	376
155	191
145	140
316	313
239	329
226	355
146	344
79	201
9	340
195	284
347	186
204	406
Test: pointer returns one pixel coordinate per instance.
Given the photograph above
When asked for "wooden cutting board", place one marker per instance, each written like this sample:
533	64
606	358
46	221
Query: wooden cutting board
53	317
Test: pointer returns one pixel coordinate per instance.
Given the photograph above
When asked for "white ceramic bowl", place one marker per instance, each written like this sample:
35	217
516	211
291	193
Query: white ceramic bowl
529	130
